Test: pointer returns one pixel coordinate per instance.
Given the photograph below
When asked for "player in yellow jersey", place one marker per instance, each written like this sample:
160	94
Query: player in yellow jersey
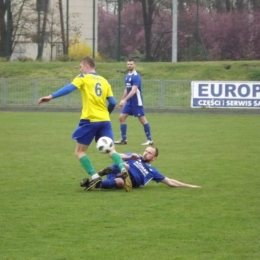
94	121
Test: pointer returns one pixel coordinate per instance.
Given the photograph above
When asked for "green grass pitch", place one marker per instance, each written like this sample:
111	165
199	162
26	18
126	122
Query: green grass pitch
45	214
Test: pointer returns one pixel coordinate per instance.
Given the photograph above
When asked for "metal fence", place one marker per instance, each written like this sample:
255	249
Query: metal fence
157	94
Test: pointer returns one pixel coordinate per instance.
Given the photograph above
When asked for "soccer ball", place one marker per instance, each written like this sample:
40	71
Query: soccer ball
105	144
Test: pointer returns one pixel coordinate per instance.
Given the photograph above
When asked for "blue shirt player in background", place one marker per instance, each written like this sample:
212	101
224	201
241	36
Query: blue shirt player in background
131	104
95	120
140	170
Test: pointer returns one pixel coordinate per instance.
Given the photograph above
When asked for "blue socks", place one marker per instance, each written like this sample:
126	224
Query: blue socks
147	131
123	129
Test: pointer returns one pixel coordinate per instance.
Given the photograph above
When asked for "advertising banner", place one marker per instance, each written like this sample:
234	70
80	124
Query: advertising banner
225	94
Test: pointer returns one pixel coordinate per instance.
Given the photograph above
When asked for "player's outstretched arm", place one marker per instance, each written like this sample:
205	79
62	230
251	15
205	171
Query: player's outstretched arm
126	157
133	156
175	183
61	92
44	99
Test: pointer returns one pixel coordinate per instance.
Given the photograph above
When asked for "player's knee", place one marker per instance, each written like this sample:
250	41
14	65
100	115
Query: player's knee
119	183
111	153
79	154
76	153
121	120
143	120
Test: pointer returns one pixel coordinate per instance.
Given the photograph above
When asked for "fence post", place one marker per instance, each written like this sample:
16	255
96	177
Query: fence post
36	92
161	94
4	92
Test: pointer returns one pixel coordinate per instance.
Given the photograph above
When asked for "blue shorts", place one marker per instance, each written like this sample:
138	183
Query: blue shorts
136	111
87	131
116	173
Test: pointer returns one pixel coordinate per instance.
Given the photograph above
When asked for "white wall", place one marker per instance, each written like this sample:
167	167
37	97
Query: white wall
84	9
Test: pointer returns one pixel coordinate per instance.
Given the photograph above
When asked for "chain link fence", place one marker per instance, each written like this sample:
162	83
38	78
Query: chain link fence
26	92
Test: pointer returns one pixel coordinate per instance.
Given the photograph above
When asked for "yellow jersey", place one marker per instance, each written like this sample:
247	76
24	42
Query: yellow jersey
94	91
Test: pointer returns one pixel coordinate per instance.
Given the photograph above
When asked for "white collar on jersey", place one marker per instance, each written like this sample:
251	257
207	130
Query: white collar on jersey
133	73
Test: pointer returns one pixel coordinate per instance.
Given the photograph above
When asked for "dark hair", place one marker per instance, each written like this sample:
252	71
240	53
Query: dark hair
131	59
90	61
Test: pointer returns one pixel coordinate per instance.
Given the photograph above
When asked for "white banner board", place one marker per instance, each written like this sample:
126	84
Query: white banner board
225	94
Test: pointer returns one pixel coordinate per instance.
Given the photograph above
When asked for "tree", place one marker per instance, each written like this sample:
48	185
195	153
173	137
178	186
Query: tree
42	6
107	31
148	7
22	19
31	23
231	35
133	33
3	29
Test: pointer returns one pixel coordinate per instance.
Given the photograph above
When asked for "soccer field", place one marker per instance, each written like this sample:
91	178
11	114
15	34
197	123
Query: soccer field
45	214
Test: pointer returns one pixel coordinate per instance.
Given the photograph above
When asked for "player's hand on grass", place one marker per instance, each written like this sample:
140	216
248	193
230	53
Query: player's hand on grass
44	99
195	186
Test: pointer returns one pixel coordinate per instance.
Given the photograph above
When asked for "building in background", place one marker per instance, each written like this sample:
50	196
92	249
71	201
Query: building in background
51	28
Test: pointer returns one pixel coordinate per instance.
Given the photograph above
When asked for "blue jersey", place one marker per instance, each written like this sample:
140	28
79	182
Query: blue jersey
131	80
144	172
